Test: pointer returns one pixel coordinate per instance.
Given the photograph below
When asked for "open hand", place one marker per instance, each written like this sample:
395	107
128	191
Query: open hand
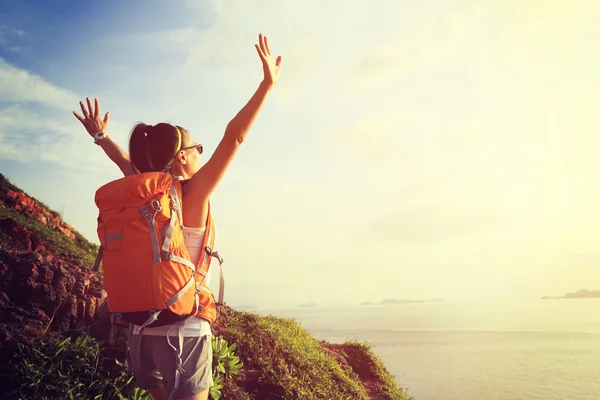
92	121
271	68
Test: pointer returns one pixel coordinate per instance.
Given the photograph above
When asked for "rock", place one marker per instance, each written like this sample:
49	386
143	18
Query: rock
45	274
27	270
96	289
34	290
37	244
33	209
66	316
19	234
80	288
63	281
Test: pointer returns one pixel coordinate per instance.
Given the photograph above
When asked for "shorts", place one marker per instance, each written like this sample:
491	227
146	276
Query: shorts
154	364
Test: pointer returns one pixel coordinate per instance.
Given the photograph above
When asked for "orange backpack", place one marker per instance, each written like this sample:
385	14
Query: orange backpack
148	276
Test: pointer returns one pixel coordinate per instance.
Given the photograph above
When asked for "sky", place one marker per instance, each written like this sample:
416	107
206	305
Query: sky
415	150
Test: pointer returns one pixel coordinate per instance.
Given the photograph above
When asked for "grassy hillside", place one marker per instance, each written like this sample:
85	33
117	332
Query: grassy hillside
79	251
282	361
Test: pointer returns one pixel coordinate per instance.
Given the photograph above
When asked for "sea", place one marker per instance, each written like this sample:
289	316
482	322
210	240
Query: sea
526	350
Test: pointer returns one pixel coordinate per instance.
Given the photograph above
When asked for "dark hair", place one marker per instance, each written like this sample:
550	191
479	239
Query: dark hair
153	148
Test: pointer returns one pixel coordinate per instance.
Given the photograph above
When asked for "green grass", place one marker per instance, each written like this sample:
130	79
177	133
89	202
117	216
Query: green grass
361	358
67	368
291	364
6	185
78	251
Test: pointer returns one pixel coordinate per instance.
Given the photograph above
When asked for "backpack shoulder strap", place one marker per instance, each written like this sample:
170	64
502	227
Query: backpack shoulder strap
207	245
175	223
209	252
98	259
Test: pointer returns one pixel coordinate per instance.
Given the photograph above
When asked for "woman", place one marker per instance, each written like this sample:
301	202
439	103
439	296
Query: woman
165	147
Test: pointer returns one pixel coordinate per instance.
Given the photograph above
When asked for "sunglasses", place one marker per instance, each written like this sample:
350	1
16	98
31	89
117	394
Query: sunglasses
196	146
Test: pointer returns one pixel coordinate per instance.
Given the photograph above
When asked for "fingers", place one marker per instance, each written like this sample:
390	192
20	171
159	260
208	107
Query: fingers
260	52
85	113
91	111
97	110
106	118
82	120
267	45
262	41
278	61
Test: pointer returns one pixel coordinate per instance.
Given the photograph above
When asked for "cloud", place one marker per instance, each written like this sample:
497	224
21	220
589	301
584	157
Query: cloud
10	39
19	117
18	85
37	123
30	136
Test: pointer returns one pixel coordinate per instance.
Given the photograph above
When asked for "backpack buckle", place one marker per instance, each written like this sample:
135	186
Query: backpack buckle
215	254
155	204
146	213
166	255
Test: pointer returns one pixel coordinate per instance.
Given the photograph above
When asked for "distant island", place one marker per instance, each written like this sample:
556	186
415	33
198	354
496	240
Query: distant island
580	294
388	302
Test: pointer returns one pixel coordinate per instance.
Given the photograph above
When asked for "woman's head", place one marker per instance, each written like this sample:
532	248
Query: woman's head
164	147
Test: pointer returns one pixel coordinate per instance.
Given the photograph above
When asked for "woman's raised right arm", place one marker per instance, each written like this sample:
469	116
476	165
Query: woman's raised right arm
93	124
204	182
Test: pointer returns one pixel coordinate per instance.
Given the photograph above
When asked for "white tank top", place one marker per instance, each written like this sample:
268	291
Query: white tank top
194	326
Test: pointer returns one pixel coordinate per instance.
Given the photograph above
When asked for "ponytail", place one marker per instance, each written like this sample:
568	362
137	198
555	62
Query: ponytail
153	148
138	145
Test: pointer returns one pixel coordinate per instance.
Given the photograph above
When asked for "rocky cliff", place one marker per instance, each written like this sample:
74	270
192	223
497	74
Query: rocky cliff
44	270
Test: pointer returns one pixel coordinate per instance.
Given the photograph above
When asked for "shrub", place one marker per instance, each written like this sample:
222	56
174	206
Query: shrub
225	364
63	368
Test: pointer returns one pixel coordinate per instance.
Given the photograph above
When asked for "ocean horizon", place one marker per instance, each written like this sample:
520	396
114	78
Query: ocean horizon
525	350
